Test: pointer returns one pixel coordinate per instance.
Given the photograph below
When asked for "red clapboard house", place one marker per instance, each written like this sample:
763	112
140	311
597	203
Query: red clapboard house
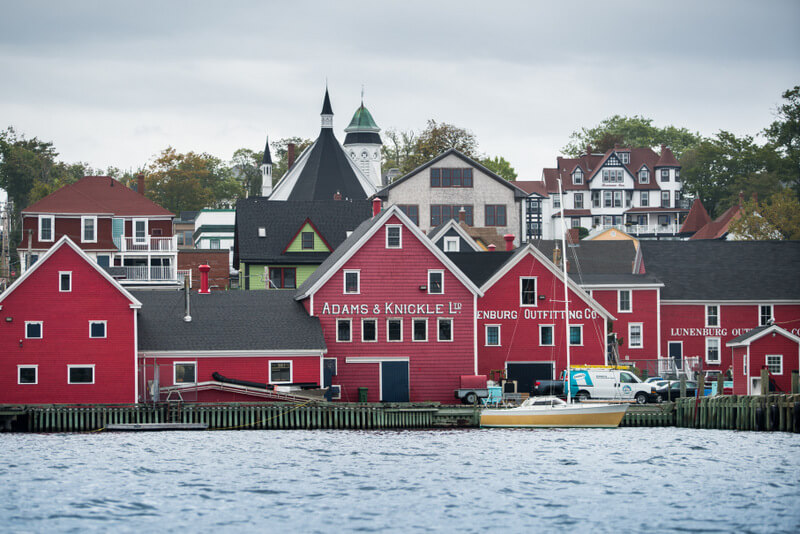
68	333
770	347
397	315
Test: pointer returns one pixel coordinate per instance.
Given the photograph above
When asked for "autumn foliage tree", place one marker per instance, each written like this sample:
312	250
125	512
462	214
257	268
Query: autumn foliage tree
777	218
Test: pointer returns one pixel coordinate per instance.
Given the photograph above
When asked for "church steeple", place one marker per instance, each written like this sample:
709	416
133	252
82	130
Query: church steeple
327	111
266	172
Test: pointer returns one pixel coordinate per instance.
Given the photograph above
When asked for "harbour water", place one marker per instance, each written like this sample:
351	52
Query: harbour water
619	480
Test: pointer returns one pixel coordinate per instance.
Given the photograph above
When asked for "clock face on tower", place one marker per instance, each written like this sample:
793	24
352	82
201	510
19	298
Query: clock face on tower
375	154
364	154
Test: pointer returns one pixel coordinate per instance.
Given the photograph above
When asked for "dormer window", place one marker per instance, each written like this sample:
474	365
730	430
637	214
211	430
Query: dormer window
644	176
577	177
307	241
625	157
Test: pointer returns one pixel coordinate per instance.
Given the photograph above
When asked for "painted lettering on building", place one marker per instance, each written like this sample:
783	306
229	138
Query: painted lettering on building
528	313
391	308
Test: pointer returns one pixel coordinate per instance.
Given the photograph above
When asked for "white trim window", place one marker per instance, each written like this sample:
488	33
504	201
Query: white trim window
546	335
419	329
635	336
556	200
139	227
64	281
47	228
88	229
97	330
27	374
336	391
712	350
184	372
577	176
712	315
624	300
435	282
444	330
452	244
576	335
352	282
527	291
774	363
394	236
644	176
34	329
492	335
280	371
644	199
394	329
80	374
765	315
369	330
344	330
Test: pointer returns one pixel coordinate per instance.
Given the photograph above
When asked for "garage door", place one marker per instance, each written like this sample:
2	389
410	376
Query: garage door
526	373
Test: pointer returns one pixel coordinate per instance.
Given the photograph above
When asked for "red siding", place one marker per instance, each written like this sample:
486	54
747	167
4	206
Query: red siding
519	326
774	344
71	227
164	224
394	276
739	355
66	339
644	309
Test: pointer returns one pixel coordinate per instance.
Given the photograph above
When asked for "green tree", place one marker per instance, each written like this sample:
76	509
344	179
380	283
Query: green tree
397	149
280	154
500	167
633	131
190	181
778	218
246	167
784	133
438	137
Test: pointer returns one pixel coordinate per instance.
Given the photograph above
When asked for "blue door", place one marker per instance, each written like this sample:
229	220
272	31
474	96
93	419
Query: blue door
394	381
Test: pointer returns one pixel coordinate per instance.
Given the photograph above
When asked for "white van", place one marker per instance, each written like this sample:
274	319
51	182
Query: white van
615	384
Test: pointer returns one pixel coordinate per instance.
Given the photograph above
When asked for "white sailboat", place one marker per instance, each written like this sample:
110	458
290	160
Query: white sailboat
551	411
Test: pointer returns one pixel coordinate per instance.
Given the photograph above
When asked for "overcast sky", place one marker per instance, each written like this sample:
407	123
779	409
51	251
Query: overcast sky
113	83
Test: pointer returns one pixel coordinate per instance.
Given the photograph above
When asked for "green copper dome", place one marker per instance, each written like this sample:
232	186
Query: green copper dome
362	121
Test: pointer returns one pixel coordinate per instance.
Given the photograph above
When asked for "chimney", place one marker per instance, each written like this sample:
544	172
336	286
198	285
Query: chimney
557	255
491	248
462	215
663	148
509	242
290	155
187	317
588	150
337	196
204	279
376	206
573	236
140	184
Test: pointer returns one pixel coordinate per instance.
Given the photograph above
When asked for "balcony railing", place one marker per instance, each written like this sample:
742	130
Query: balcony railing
148	244
153	273
641	229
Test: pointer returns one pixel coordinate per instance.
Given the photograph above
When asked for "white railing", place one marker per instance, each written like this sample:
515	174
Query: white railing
147	244
153	273
638	229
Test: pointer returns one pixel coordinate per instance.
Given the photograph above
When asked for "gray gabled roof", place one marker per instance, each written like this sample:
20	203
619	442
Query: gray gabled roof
624	280
283	219
594	257
748	335
518	193
227	321
711	270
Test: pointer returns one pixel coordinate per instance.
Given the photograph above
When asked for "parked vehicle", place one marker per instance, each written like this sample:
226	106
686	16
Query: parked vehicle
548	387
654	379
672	390
473	389
599	383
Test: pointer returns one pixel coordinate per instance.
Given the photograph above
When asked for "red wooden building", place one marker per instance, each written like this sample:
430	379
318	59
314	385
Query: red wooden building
68	333
397	315
770	347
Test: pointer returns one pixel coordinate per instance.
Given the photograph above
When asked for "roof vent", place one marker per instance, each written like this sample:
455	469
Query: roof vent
262	231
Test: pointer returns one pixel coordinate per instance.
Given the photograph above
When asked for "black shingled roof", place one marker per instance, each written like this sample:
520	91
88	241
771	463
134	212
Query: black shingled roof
226	320
714	270
594	257
585	279
479	266
750	333
283	219
326	104
267	160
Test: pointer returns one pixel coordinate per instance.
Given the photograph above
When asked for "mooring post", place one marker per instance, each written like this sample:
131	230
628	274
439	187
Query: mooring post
720	383
764	381
795	381
683	386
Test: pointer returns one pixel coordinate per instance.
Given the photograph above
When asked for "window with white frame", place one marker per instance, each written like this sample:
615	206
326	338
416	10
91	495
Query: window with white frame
644	198
280	372
452	244
80	374
624	303
712	315
765	316
677	175
577	176
369	330
335	391
445	330
419	329
435	282
665	199
140	231
492	335
34	329
47	225
344	330
578	199
546	335
184	372
635	336
97	329
527	291
644	176
394	236
775	363
665	175
27	374
556	200
612	176
712	350
88	229
394	329
576	335
624	157
64	281
352	282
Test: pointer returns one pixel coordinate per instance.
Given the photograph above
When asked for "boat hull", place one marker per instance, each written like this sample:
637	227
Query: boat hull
571	416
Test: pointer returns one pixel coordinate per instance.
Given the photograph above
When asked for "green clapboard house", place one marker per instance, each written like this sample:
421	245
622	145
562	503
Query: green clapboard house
279	244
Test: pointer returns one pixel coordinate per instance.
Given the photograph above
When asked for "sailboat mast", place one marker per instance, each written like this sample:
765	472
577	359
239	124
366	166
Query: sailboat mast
566	288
